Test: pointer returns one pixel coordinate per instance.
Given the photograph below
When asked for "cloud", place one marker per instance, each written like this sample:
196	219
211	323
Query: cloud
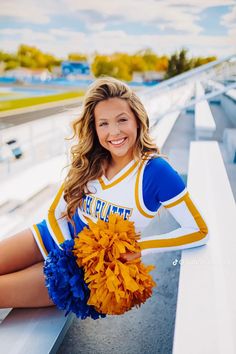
63	41
97	21
198	45
25	35
180	15
199	3
229	19
26	11
136	12
66	34
33	11
232	33
179	18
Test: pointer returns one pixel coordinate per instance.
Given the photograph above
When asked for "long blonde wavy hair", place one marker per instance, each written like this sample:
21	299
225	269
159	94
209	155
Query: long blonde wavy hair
88	157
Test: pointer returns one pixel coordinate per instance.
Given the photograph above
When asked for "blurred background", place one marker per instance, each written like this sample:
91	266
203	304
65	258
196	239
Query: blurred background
180	58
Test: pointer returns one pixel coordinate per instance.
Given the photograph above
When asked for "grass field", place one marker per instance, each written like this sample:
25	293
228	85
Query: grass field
31	101
4	94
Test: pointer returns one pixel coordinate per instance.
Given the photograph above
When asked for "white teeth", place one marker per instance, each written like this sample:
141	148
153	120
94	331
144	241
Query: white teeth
117	142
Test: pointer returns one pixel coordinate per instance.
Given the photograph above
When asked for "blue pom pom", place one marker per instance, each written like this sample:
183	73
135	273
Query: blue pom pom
65	282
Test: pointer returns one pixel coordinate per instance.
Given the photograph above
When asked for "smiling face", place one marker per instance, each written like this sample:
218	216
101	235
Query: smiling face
116	128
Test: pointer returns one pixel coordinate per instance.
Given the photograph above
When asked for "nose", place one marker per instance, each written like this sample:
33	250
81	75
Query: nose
114	129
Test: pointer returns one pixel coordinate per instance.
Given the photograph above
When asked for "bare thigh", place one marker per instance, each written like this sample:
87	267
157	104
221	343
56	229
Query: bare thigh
18	252
24	288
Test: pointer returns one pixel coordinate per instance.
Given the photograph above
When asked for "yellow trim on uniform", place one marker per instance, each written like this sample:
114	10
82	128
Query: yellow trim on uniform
39	238
177	201
52	219
137	193
106	186
182	240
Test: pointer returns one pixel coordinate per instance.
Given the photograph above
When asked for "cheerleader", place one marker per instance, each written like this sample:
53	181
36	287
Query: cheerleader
115	169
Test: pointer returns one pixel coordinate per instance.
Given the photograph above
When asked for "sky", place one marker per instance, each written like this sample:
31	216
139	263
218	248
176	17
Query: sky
59	27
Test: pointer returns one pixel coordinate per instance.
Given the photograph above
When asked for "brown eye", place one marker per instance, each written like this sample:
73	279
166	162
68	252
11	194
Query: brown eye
103	124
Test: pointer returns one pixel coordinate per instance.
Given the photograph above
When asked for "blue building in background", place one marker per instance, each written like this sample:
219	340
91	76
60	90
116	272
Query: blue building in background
75	68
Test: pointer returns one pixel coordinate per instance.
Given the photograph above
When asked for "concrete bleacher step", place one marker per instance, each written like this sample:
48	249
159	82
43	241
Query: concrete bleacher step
179	160
204	121
4	313
7	223
33	180
28	328
24	187
205	317
162	130
229	140
35	330
230	168
33	211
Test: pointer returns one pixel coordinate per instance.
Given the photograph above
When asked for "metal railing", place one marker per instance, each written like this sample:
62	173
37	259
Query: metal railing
221	71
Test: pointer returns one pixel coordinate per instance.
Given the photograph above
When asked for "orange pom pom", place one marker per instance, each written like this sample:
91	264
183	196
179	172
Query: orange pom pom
115	287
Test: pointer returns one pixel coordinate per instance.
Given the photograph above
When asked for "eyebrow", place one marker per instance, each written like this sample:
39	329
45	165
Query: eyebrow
120	114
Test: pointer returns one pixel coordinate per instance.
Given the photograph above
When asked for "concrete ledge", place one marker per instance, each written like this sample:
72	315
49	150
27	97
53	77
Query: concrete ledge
37	331
206	305
229	140
229	106
204	122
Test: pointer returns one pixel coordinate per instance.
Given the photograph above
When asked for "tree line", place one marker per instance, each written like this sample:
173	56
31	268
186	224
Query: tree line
119	65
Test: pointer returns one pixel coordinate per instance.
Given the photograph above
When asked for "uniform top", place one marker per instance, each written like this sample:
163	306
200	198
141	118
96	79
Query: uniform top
135	193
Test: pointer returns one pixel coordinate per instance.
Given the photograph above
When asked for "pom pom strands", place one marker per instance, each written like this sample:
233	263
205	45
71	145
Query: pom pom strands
65	282
115	287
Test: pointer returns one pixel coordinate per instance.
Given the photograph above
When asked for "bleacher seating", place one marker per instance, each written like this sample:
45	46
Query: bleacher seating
229	140
206	304
206	308
204	121
33	331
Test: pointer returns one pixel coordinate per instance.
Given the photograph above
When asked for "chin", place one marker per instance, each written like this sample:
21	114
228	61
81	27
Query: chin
120	153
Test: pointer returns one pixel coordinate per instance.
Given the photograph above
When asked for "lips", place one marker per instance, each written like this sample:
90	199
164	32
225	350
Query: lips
117	142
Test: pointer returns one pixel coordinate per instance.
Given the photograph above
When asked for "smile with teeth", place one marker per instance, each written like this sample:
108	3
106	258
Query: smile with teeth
117	142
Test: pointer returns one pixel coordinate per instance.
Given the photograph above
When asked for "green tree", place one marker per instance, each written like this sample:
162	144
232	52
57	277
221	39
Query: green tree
162	63
11	61
32	57
201	61
178	63
137	64
12	64
110	66
150	58
77	57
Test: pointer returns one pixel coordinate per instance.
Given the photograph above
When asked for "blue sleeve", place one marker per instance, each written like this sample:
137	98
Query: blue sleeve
161	182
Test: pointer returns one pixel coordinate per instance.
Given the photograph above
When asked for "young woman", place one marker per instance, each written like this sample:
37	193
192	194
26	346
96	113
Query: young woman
115	168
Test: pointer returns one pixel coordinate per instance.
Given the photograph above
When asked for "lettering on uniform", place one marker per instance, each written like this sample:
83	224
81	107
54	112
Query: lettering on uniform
101	209
100	205
87	204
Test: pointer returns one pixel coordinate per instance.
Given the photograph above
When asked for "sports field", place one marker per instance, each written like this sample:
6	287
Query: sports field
13	99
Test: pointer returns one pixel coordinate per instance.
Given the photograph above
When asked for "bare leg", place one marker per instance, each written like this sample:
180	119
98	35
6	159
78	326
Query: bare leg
18	252
22	282
25	288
